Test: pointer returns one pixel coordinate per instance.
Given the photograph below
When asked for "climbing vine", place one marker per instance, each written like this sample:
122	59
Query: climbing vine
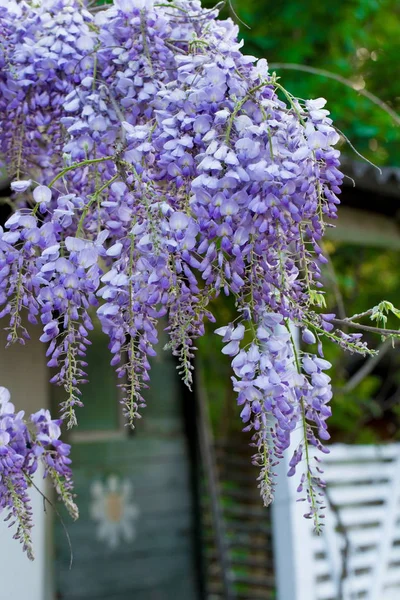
154	167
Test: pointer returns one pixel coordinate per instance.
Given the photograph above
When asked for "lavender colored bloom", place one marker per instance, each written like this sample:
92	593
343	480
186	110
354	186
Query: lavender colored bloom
42	194
308	337
20	186
166	176
20	450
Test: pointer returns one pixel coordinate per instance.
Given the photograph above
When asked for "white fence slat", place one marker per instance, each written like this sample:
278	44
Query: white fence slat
363	560
364	490
393	578
358	538
344	453
352	472
327	589
359	494
387	536
391	594
360	583
353	516
364	499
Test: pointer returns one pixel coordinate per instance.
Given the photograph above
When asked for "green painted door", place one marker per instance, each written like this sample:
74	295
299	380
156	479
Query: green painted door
134	539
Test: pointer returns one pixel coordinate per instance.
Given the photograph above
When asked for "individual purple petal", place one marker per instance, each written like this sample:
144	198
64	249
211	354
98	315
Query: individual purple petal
42	194
20	186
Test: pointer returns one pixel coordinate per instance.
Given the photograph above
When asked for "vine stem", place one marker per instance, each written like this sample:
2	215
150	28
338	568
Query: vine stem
343	80
367	367
291	101
378	330
74	166
144	40
239	106
349	346
366	313
92	201
50	503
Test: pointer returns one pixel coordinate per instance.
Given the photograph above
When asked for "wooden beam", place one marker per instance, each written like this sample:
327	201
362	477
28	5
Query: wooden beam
364	228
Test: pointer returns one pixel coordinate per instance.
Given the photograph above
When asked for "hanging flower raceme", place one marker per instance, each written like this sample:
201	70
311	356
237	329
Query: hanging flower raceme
155	166
23	444
46	51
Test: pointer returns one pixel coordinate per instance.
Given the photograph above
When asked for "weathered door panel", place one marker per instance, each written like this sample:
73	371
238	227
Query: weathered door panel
134	539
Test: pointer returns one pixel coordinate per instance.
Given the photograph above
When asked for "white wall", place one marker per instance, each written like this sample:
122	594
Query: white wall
23	372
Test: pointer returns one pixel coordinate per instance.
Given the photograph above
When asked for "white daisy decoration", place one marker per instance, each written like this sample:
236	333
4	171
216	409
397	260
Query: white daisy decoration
113	510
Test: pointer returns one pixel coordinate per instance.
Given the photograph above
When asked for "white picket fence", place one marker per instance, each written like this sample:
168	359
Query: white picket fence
358	555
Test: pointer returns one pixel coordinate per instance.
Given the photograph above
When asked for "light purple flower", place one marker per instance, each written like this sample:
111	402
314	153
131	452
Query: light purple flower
20	186
42	194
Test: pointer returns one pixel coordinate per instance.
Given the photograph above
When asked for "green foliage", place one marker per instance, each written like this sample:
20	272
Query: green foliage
379	313
317	298
370	412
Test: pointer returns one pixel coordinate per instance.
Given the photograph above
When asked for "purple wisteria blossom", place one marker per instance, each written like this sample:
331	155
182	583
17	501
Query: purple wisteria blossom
154	167
22	445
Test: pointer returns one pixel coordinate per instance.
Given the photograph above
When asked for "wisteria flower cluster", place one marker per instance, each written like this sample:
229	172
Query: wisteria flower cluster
23	444
154	166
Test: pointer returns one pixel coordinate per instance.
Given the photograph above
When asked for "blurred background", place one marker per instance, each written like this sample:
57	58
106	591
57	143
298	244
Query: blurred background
171	510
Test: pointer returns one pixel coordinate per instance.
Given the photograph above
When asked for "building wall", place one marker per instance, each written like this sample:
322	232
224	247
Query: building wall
153	555
135	537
